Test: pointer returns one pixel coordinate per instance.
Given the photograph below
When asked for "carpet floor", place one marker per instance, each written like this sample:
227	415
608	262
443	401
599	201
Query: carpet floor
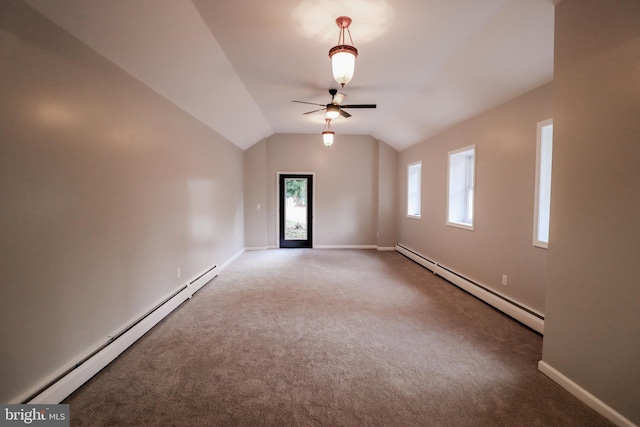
306	337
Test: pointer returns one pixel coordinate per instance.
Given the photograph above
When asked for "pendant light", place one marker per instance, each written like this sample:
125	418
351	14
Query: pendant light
327	133
343	56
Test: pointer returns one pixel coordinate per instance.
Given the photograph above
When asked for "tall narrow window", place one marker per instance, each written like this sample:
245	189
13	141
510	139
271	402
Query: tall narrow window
461	187
542	210
414	176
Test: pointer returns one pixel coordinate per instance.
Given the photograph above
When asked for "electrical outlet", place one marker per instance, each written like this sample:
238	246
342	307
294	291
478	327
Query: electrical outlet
504	279
178	273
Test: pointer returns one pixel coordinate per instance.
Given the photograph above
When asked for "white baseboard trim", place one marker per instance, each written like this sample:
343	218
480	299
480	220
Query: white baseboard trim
589	399
385	248
256	248
230	260
512	308
57	387
345	247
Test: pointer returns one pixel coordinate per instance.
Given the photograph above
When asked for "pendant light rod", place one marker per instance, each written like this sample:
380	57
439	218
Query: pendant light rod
343	23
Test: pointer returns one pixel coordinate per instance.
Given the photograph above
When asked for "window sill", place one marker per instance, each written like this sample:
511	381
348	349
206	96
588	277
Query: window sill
414	216
464	226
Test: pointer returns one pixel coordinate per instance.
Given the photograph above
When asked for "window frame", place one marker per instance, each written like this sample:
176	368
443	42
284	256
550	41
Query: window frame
540	149
466	204
417	191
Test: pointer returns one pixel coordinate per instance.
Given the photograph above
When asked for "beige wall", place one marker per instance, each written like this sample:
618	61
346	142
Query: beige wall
592	333
387	196
255	193
501	243
345	210
348	199
106	189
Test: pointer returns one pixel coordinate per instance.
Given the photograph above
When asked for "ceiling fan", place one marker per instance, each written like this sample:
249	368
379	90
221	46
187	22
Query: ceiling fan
335	108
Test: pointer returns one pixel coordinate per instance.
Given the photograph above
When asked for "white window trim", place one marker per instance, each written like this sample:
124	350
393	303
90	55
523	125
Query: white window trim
536	242
463	225
419	216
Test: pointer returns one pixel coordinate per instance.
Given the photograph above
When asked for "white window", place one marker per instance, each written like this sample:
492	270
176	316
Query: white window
542	203
414	176
461	187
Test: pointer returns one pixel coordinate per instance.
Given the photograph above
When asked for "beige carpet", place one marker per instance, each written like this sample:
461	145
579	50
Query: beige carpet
305	337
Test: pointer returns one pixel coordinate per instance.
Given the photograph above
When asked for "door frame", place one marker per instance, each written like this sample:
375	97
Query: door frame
313	204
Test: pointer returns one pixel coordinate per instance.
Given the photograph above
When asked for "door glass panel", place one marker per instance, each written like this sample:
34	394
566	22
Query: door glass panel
295	209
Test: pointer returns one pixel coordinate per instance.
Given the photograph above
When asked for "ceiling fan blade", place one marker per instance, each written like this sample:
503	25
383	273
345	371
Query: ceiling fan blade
314	111
310	103
344	114
359	106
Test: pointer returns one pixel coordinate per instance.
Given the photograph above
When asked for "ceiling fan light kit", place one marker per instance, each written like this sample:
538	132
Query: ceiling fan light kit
333	111
343	56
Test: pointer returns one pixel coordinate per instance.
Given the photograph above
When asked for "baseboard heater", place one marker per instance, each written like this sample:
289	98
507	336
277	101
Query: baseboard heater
519	312
55	390
202	279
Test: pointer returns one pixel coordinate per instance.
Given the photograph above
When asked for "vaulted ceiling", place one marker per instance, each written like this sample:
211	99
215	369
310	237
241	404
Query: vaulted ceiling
237	65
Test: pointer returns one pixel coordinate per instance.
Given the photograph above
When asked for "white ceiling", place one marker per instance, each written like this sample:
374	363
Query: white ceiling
236	65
